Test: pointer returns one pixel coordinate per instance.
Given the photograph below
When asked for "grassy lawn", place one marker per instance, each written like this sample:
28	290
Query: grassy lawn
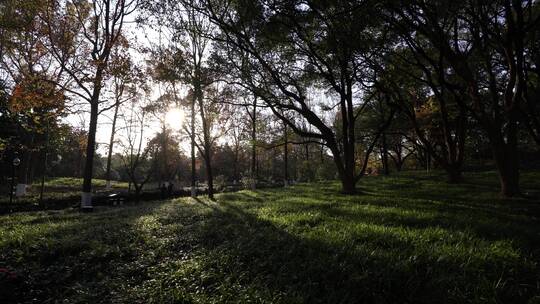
58	188
405	239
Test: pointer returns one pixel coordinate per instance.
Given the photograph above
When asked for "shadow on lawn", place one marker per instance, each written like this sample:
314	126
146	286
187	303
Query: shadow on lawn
67	254
281	267
203	251
379	268
456	209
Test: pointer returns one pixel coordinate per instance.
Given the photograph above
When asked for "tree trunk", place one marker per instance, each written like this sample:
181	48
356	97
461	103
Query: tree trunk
111	143
236	158
254	176
504	145
193	173
345	172
86	196
386	170
399	165
322	153
286	157
167	175
25	167
509	179
348	175
507	161
454	174
209	175
235	165
137	192
398	159
348	184
22	179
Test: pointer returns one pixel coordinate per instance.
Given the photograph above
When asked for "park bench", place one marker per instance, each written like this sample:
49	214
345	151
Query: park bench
115	199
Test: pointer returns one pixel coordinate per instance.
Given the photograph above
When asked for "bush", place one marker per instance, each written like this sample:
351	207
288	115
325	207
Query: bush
248	182
326	171
306	172
220	182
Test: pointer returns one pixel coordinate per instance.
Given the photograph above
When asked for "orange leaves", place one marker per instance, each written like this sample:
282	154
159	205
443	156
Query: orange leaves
33	94
427	109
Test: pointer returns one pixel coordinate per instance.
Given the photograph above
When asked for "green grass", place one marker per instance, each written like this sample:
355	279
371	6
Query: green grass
405	239
58	188
73	182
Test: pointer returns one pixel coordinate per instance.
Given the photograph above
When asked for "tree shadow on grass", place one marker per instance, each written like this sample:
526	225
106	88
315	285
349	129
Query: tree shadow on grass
203	251
68	255
514	219
375	267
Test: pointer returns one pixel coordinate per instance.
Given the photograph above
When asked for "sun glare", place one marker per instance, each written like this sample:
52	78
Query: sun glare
174	118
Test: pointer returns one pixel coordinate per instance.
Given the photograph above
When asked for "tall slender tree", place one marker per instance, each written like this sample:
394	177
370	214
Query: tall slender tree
82	35
125	78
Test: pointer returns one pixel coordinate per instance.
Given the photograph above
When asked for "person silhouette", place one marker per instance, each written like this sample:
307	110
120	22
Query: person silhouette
170	189
163	190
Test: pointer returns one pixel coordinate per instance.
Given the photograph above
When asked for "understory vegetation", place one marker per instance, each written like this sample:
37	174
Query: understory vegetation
409	238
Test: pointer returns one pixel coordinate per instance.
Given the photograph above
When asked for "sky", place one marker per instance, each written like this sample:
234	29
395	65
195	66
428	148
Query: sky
173	118
144	36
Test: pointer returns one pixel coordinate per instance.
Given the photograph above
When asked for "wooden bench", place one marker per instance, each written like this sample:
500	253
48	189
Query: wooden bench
115	199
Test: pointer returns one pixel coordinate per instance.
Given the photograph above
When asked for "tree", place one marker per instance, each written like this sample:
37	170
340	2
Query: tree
400	139
136	157
82	35
189	42
239	131
425	96
252	114
35	104
166	155
279	49
482	44
68	144
214	115
125	78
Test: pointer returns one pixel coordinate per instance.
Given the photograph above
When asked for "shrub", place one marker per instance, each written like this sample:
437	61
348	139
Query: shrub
248	182
220	182
326	171
306	171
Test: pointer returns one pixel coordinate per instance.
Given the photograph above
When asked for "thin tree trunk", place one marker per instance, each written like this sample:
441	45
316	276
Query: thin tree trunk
193	173
235	165
286	156
386	170
86	196
23	176
45	160
209	175
322	153
506	156
138	190
254	176
111	143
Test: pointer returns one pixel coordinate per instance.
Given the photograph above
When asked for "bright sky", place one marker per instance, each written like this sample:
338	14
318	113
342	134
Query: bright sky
173	118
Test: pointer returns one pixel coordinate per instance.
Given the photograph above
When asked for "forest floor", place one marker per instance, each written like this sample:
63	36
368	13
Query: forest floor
409	238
